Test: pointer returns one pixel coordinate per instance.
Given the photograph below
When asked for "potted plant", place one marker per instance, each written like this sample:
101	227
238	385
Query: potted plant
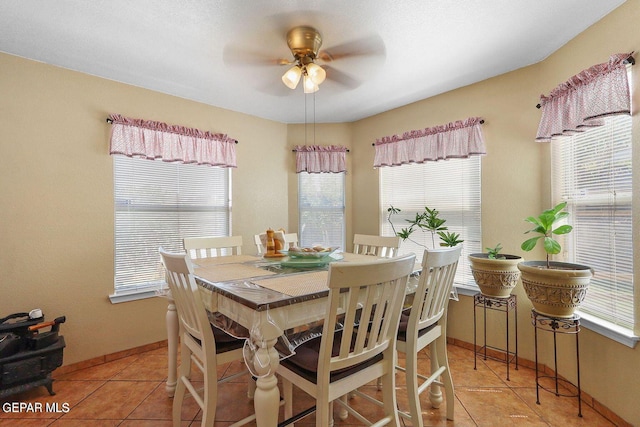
427	221
555	289
495	274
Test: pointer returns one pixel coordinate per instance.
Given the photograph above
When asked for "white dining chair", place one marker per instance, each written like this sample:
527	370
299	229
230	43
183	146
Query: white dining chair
382	246
426	325
201	344
346	356
260	240
290	240
257	239
207	247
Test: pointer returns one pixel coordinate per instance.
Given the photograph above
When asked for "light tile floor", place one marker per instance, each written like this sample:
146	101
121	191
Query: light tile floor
130	392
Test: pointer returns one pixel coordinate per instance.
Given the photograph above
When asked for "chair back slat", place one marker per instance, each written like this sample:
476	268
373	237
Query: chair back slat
208	247
375	292
381	246
185	293
434	286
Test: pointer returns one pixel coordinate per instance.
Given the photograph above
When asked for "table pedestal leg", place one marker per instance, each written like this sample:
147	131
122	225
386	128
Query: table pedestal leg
172	344
266	399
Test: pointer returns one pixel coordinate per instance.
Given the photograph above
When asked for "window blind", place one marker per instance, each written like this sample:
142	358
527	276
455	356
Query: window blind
321	209
592	172
158	204
452	187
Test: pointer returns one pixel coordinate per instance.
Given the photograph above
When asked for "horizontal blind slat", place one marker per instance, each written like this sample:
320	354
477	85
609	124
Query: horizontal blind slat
158	204
592	171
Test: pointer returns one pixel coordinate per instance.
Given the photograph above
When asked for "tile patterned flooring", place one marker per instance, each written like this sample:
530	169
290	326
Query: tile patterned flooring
130	392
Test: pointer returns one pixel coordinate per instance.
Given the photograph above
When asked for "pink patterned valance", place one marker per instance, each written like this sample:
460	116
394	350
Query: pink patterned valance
459	139
156	140
319	159
585	99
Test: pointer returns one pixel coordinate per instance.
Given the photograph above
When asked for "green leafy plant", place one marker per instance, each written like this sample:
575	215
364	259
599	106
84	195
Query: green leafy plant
449	238
427	221
544	227
493	253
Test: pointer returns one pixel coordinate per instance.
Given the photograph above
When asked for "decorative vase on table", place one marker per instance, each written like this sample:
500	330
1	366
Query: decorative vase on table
496	277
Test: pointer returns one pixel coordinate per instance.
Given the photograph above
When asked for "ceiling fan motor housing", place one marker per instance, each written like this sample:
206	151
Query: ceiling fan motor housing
304	42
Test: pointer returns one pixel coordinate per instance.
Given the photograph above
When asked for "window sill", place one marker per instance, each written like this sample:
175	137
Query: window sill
118	298
609	330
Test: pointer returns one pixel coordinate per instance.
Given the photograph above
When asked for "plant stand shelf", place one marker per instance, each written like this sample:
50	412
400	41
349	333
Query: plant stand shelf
505	305
557	325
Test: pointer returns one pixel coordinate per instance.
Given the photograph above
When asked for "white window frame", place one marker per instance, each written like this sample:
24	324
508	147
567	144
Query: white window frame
596	199
334	237
157	204
462	210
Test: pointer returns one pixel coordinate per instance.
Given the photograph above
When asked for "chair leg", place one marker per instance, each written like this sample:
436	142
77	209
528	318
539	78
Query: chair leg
443	360
324	412
184	373
287	391
343	414
435	394
210	396
178	398
412	388
389	401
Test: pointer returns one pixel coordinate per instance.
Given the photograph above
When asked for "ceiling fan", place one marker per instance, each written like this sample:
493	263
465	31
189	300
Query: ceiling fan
308	63
304	43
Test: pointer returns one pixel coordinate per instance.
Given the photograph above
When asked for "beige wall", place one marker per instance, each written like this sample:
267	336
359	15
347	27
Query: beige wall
56	215
516	184
56	187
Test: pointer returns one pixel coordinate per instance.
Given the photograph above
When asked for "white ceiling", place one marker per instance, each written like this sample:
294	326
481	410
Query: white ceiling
198	49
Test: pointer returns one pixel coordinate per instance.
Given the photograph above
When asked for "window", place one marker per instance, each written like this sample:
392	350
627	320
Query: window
452	187
321	209
158	204
592	172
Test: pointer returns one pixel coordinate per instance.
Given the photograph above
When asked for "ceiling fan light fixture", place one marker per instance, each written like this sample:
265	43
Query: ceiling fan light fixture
309	85
316	73
292	77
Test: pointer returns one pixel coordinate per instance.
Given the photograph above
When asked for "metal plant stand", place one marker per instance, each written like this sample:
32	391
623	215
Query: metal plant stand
557	325
504	305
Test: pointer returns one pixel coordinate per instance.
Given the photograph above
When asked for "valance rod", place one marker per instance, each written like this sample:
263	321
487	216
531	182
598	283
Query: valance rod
481	122
630	60
111	121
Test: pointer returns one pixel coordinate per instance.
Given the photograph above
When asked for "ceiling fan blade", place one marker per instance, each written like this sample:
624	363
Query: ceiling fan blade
237	56
341	77
368	46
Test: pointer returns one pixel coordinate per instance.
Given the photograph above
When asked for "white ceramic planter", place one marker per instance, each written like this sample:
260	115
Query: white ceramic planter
555	291
496	278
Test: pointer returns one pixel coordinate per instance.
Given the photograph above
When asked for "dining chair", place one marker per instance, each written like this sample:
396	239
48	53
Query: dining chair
201	343
284	238
259	246
426	324
345	356
206	247
382	246
290	240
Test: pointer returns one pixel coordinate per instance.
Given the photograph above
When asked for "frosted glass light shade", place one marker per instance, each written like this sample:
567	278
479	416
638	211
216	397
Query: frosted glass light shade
292	77
309	85
316	73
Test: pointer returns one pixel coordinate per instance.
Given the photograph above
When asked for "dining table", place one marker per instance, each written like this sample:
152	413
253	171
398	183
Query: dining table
274	303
